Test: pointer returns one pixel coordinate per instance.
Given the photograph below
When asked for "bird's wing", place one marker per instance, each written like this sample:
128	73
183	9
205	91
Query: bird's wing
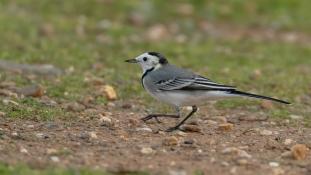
191	83
171	77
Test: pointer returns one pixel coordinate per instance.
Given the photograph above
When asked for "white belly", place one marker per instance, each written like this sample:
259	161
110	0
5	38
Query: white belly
189	98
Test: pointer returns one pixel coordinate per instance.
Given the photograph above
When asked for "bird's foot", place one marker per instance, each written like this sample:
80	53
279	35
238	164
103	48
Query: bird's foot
149	117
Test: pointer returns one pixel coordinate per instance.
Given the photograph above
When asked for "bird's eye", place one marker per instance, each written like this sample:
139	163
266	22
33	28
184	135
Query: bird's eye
145	58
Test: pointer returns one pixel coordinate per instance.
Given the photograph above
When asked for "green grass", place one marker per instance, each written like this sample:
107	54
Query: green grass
25	170
285	67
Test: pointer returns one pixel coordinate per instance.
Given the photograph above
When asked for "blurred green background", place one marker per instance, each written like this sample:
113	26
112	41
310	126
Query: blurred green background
261	46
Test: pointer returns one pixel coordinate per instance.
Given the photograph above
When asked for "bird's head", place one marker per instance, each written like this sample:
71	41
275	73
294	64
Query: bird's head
149	60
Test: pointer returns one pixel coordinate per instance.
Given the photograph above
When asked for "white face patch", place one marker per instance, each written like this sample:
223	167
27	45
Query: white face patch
147	61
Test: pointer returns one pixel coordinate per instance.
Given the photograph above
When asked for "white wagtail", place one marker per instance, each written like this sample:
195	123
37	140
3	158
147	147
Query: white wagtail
180	87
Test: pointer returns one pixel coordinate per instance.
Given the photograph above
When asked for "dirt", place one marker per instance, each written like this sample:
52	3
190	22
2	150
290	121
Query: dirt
113	138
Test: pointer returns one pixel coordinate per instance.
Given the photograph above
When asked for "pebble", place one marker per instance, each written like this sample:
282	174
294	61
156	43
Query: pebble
278	171
265	132
133	122
265	104
170	141
24	150
274	164
147	150
181	133
145	129
2	114
105	121
190	128
51	151
299	151
219	119
295	117
93	135
54	158
74	107
288	141
225	127
42	136
16	135
30	126
242	161
210	122
109	92
238	152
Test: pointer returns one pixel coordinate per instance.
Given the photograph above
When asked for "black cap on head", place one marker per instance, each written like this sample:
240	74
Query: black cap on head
162	59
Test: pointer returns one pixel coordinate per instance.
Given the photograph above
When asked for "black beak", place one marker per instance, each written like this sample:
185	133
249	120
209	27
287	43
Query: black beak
131	61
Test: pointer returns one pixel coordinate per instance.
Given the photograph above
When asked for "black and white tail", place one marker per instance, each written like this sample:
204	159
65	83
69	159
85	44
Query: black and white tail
246	94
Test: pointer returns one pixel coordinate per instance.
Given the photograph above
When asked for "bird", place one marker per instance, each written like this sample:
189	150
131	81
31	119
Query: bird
180	87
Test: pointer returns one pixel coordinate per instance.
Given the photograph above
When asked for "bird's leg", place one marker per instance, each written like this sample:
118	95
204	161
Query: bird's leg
194	109
150	116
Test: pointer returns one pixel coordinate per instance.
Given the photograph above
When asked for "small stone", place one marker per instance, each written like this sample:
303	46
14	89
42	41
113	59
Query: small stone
24	150
74	107
93	135
274	164
266	132
230	150
233	170
42	136
145	129
109	92
256	74
147	150
133	122
225	127
190	128
299	151
244	154
87	100
170	141
265	104
219	119
181	133
235	151
105	121
296	117
278	171
224	163
2	114
16	135
242	162
54	158
288	141
51	151
30	126
210	122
